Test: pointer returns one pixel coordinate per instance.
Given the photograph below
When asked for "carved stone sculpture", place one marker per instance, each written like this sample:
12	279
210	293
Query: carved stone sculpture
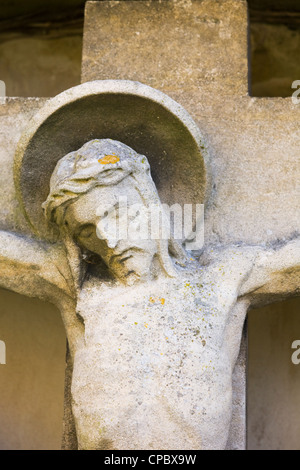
154	331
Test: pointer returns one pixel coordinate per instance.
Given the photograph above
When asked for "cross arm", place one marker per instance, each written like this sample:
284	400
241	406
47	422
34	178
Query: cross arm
33	268
275	274
267	274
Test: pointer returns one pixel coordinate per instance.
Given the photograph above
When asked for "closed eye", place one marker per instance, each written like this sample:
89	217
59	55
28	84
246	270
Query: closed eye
86	231
112	209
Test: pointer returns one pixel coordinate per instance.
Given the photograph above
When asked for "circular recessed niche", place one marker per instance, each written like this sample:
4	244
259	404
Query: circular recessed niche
141	117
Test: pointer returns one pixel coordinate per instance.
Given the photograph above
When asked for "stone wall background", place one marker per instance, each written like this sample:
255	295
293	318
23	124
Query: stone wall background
274	52
273	399
32	381
44	58
41	65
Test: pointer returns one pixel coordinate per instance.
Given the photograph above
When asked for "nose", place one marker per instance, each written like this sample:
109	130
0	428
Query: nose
108	234
112	242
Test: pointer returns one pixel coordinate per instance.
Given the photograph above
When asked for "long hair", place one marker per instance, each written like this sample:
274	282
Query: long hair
101	162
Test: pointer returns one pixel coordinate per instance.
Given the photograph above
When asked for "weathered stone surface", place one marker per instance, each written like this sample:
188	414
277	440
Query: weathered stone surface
69	438
155	371
179	47
253	143
137	115
253	204
130	336
237	431
15	114
242	166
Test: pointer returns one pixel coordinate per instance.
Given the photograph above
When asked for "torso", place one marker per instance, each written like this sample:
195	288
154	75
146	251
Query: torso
153	372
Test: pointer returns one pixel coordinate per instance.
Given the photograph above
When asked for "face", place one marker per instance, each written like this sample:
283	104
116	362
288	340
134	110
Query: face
107	221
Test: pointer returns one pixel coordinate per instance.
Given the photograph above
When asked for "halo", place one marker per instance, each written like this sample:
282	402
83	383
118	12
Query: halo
141	117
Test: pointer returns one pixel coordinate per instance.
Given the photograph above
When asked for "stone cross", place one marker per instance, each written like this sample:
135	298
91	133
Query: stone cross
196	52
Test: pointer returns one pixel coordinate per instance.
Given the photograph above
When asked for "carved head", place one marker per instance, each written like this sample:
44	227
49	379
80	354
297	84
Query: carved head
87	187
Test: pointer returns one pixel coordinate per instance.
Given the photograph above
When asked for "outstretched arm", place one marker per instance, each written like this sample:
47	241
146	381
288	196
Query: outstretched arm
265	273
251	276
275	274
33	268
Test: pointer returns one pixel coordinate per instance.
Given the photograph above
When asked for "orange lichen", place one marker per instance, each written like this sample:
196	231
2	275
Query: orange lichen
153	300
109	159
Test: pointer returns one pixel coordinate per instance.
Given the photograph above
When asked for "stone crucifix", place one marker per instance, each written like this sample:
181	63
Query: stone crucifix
154	333
154	330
